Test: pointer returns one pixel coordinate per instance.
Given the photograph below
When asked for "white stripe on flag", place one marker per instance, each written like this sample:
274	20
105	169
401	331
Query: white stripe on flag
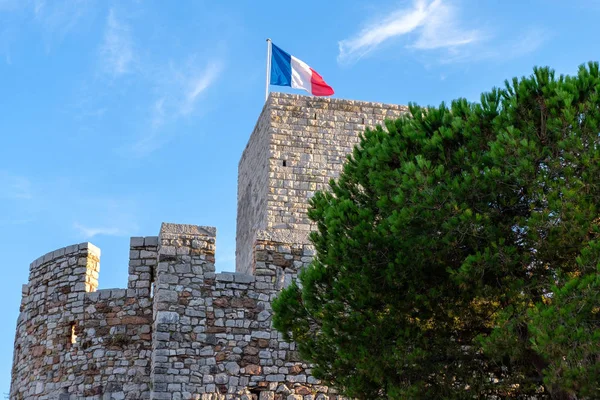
301	75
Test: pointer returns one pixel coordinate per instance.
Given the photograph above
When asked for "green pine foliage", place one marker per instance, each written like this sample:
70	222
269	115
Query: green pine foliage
458	253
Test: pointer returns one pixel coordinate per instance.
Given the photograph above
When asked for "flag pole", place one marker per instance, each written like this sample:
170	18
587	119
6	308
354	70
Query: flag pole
268	69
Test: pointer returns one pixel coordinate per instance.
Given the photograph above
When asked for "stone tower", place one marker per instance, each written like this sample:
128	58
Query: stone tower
298	144
179	330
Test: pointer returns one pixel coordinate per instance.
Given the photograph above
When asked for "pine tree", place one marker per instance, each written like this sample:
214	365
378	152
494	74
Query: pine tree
458	253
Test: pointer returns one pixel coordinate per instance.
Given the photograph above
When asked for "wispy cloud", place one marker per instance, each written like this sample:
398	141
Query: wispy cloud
174	87
179	92
117	48
14	186
432	24
180	86
196	84
177	86
90	232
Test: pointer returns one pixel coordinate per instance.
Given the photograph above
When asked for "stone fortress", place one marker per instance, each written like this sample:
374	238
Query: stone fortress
179	330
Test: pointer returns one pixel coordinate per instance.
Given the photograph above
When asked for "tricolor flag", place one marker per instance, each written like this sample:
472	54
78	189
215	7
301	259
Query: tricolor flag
287	70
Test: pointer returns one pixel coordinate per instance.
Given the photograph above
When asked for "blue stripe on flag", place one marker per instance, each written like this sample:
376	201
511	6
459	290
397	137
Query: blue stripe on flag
281	67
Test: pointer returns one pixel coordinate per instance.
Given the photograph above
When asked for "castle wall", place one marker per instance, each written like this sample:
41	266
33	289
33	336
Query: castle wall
213	338
179	330
112	357
308	139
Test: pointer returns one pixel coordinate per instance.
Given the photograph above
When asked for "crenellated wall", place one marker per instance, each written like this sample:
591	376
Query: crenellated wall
212	331
181	331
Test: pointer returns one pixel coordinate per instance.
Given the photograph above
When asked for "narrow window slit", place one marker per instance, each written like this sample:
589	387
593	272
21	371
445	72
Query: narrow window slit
73	333
152	282
284	163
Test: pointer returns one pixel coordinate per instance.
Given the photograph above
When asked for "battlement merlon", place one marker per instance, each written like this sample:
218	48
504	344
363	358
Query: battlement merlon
170	230
143	253
75	267
180	240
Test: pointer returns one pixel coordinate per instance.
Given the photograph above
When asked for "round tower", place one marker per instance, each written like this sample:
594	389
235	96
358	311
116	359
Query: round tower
47	327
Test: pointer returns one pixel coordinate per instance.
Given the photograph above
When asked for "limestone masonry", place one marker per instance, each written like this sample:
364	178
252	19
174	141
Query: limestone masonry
179	330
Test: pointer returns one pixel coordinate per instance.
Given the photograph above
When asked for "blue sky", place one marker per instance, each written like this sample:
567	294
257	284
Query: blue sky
118	115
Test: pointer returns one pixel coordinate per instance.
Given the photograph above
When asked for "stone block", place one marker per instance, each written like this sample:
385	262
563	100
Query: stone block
243	278
167	296
151	241
167	317
267	396
225	277
221	379
136	242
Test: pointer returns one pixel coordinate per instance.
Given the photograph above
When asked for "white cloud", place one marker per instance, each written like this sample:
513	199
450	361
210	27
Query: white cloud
440	29
196	84
175	86
117	48
90	232
433	24
179	93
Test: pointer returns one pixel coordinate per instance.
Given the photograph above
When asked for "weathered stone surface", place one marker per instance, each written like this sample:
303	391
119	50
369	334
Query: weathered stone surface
298	144
92	344
167	317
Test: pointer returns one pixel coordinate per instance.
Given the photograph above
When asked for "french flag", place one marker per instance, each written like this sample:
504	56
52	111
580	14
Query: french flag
287	70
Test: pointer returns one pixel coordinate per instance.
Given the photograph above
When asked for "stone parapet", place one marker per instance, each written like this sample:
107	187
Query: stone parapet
178	331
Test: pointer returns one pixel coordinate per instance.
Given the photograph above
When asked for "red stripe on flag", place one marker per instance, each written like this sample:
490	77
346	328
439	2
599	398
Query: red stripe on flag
318	85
